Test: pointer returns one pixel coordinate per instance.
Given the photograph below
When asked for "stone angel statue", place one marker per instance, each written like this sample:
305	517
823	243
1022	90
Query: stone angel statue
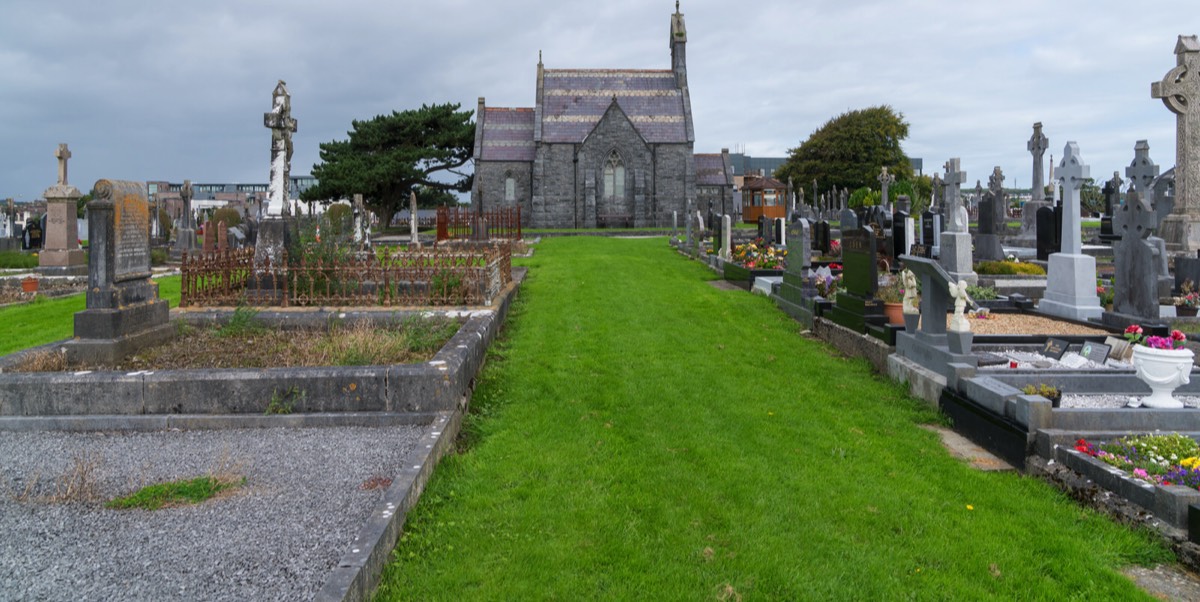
958	290
909	281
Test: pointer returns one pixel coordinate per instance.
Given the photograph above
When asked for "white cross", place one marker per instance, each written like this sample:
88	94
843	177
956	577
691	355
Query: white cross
1073	174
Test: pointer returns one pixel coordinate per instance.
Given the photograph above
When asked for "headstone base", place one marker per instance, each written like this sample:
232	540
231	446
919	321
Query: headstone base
932	351
955	257
62	262
988	247
108	335
1071	288
1182	232
185	240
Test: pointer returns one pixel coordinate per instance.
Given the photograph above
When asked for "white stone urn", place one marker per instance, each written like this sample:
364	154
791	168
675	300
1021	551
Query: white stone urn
1163	370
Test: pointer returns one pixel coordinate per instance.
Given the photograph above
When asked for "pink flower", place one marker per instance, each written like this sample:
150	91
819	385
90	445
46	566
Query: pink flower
1178	336
1139	473
1133	329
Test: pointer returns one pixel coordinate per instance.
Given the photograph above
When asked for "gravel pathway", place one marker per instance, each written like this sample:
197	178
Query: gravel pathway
275	538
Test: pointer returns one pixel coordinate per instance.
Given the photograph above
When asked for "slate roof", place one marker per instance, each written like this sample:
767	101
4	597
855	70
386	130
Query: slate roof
710	171
574	100
507	134
756	183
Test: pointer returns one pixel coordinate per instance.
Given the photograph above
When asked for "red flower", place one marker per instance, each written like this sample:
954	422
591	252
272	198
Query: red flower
1178	336
1133	329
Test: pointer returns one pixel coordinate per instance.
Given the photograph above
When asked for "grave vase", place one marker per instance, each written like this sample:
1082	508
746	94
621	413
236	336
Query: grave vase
894	313
1185	311
1163	370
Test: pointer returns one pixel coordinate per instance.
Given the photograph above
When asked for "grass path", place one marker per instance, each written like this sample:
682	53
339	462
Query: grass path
641	435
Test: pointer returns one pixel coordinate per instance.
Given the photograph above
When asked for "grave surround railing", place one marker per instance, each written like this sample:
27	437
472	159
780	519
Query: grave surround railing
454	223
458	276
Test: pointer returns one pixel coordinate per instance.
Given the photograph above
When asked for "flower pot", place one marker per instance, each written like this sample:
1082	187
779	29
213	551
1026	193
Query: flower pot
894	313
29	285
1163	370
1185	311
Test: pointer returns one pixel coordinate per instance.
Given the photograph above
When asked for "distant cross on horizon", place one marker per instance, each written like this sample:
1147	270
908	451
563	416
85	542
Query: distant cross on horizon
63	153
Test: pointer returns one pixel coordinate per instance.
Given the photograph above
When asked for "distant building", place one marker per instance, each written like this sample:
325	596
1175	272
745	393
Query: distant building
209	195
763	196
600	147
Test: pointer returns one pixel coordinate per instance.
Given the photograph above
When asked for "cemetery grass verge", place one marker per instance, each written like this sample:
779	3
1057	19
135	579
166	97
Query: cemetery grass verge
638	434
48	320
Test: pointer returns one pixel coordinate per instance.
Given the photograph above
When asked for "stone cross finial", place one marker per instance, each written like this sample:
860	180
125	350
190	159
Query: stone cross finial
996	180
1134	217
1180	92
279	121
1037	145
63	154
952	182
885	180
1073	173
1142	170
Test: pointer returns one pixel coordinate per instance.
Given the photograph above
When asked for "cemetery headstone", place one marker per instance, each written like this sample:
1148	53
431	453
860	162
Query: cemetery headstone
1112	200
954	252
885	180
1049	231
274	230
1136	286
123	311
726	237
780	232
1142	170
992	219
856	306
848	219
1071	277
1037	146
210	237
902	239
823	238
1179	90
797	289
61	254
222	236
185	235
33	234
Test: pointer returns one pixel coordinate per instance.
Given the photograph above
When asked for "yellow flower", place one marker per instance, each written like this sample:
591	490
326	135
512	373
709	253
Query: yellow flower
970	507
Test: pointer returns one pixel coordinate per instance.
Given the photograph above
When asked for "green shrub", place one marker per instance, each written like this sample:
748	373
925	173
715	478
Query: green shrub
340	218
158	256
229	215
981	293
1008	268
865	197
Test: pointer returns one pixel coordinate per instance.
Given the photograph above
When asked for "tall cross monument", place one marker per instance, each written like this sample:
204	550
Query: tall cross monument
1071	277
279	120
62	255
1180	92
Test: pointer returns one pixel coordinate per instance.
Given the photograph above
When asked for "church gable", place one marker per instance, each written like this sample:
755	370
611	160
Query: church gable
574	100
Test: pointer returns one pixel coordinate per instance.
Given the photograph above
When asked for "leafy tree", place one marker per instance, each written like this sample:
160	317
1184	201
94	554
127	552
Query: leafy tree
849	150
389	156
81	204
431	198
1091	198
340	218
229	215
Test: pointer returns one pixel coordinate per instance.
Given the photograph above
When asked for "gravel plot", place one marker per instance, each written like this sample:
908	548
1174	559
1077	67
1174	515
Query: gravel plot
1005	323
1109	402
275	538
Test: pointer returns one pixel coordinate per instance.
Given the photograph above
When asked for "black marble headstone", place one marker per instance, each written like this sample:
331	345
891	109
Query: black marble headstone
1049	232
899	233
927	237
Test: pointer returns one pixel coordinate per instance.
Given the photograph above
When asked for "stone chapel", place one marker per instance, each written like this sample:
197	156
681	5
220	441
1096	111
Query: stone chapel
600	148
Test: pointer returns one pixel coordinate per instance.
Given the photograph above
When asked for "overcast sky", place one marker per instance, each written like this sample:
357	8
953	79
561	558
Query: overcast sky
174	90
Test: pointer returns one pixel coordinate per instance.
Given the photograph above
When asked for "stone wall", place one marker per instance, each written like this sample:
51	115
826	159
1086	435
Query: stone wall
491	176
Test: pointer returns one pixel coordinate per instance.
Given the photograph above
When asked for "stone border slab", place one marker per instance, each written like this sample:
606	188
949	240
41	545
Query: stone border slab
1169	503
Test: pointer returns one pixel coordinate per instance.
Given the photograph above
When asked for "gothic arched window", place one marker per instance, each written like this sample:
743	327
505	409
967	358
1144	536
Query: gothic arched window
614	177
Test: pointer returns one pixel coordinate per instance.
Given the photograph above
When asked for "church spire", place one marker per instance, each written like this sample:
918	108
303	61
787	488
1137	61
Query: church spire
678	44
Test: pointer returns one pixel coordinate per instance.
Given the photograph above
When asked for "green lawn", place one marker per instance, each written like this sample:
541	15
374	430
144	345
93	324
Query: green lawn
48	320
640	435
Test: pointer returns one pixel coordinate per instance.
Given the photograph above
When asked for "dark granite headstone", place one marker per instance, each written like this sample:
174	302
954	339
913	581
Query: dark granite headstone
927	235
849	220
33	234
1136	288
822	238
1049	232
899	233
856	306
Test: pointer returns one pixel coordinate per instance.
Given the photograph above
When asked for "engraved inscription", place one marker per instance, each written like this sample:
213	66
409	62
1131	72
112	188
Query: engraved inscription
131	252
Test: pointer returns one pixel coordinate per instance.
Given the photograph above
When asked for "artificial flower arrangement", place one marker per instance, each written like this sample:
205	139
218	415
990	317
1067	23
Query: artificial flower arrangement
826	283
1137	336
1189	297
757	254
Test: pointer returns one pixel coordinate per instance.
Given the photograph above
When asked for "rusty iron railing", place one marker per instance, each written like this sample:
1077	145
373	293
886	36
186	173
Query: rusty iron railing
455	223
470	275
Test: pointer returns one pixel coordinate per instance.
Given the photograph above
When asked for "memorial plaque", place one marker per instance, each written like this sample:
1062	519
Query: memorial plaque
1054	348
1121	350
1096	352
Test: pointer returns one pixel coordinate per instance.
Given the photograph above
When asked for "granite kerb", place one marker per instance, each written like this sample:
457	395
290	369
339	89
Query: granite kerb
443	383
1167	502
